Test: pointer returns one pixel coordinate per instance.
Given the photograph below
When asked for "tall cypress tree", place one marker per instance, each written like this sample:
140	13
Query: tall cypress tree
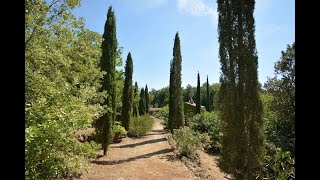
177	59
146	92
136	98
108	62
142	103
241	110
127	93
172	103
176	114
208	96
198	103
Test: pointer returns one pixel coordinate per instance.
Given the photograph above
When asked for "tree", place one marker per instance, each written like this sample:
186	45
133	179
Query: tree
136	99
198	103
108	63
241	109
283	104
161	97
178	91
127	93
147	99
142	102
188	93
61	88
208	102
176	104
172	100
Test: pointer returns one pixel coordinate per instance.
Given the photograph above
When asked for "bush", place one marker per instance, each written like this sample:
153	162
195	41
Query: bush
188	141
139	126
85	135
208	122
277	164
120	129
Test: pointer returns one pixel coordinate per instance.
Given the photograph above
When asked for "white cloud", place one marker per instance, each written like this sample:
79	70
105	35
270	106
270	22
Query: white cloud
197	8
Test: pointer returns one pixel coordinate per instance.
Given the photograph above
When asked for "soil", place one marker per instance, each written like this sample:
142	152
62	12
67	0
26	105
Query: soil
151	157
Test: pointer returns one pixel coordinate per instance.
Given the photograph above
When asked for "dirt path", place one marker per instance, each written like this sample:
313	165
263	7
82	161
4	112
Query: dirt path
148	157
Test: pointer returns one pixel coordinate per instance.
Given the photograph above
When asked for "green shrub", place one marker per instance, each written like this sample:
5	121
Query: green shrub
188	141
208	122
139	126
120	129
277	164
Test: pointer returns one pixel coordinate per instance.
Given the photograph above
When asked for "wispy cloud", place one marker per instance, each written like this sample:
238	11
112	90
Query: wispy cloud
197	8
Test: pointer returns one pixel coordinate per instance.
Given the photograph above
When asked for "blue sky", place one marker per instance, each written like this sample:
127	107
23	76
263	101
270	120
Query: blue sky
147	28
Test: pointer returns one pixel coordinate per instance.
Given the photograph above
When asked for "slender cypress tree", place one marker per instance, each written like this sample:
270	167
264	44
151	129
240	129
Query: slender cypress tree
198	103
108	61
172	106
127	93
177	59
136	98
146	92
241	111
142	103
176	114
208	96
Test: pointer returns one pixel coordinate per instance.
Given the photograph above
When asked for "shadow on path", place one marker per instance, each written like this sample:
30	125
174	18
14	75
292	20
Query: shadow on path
163	151
141	143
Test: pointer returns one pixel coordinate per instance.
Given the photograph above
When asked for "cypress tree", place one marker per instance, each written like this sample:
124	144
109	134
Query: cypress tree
146	92
177	59
172	106
127	93
108	62
198	103
136	98
241	111
176	114
142	102
208	96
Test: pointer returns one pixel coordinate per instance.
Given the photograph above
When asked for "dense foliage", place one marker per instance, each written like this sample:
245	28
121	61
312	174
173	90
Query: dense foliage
62	79
282	89
161	97
277	164
140	126
241	109
127	93
187	141
209	123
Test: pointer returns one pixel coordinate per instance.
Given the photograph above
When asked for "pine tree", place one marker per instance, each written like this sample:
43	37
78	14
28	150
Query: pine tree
108	62
127	93
135	108
208	96
142	103
146	92
198	103
241	108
